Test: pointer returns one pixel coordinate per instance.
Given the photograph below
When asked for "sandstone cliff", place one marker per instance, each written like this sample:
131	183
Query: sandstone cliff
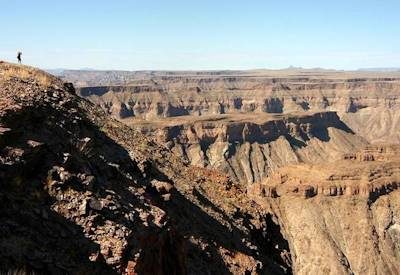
347	212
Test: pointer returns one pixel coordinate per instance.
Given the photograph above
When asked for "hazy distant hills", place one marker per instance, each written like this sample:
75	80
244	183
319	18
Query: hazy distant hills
379	70
63	71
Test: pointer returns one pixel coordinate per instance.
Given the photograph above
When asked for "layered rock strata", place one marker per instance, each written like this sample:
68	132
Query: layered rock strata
340	218
248	147
367	102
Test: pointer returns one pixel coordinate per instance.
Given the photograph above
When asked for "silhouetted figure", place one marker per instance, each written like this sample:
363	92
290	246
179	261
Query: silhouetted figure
19	54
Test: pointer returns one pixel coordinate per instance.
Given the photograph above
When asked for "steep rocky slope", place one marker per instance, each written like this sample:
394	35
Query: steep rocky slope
347	212
80	193
376	124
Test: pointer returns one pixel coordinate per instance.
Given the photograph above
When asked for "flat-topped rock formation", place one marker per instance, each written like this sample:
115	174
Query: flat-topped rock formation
376	152
370	172
175	96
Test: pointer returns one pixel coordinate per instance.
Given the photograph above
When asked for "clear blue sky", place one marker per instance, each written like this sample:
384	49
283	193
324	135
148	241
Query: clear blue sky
201	34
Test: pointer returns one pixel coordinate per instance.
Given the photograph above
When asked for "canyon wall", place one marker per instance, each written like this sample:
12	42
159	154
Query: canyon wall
370	103
248	148
347	212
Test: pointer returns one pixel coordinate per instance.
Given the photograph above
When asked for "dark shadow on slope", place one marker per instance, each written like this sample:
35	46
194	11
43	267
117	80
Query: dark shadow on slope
115	173
97	91
196	224
270	240
319	130
102	158
32	235
271	131
274	243
294	142
203	227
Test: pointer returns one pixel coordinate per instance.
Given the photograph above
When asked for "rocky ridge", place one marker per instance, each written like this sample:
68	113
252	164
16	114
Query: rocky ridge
83	193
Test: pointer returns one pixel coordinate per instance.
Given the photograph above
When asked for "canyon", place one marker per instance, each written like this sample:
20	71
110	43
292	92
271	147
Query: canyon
236	121
310	147
210	172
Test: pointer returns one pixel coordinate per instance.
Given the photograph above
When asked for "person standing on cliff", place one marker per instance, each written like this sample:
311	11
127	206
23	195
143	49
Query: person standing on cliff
19	54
